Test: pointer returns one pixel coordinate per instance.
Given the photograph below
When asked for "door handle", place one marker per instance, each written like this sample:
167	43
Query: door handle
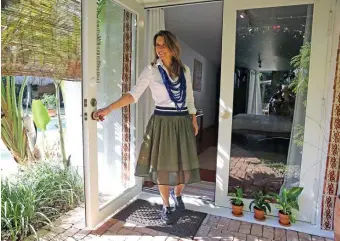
94	117
93	103
97	118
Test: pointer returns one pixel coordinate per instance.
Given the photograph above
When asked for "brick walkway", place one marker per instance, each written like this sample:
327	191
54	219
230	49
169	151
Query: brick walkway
70	227
248	172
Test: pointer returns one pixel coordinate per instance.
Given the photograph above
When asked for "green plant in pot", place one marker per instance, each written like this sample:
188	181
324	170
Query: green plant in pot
261	205
237	202
287	201
49	100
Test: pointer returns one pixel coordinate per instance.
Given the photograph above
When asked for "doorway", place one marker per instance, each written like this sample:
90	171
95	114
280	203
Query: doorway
258	141
203	59
253	114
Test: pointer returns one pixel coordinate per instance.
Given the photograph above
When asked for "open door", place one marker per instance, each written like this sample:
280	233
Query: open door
112	37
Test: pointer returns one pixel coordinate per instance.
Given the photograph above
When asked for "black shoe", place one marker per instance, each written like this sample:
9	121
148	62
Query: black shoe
166	215
179	204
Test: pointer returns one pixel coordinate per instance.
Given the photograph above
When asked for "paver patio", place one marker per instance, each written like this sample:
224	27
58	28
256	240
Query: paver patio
71	227
248	172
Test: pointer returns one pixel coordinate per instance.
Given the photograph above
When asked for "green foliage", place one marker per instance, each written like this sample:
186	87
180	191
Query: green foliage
40	114
36	196
100	6
20	210
13	132
300	84
299	135
49	100
261	202
288	200
301	65
237	197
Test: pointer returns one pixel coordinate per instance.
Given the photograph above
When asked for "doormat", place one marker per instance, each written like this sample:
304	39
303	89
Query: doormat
146	214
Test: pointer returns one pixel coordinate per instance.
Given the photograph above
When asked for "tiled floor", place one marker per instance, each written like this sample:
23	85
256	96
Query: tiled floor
70	227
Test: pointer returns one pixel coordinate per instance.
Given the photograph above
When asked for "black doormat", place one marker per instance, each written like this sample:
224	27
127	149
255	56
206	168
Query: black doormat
146	214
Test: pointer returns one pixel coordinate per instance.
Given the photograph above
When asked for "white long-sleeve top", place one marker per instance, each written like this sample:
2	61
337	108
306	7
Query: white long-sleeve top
151	77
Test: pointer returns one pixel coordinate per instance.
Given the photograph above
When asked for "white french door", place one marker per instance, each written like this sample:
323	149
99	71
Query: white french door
255	145
112	41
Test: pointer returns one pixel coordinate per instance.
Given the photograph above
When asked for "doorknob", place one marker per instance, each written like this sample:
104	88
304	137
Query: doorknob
97	118
93	103
94	117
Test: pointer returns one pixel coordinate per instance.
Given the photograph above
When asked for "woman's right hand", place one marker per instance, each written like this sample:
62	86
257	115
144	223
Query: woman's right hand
100	114
123	101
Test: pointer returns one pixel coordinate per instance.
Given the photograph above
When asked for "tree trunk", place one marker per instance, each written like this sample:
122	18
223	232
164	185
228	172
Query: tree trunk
61	133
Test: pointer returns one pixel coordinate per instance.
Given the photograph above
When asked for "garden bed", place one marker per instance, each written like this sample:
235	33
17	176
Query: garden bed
36	196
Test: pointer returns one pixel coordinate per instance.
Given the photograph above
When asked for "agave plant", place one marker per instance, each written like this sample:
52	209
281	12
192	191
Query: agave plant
13	131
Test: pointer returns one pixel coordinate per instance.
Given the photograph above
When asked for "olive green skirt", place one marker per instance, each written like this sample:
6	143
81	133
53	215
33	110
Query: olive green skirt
168	154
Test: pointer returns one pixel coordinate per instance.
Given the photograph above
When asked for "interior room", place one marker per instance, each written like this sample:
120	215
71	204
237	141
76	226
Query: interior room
268	118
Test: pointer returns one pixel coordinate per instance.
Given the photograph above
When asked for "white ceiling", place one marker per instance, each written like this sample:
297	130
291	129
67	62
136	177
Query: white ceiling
275	34
199	26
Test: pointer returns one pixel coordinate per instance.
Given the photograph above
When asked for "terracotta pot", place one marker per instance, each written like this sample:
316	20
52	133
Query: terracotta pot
52	112
284	219
237	210
337	219
259	214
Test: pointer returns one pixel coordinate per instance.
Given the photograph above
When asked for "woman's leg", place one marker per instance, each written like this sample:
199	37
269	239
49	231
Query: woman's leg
176	196
166	211
164	190
179	189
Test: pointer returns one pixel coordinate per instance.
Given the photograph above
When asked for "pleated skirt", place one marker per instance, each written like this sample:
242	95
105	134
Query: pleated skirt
168	154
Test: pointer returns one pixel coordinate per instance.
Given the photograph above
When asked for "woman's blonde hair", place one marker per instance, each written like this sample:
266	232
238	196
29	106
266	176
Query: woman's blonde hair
172	43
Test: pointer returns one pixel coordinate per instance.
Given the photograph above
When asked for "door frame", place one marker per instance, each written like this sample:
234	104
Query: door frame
314	125
93	213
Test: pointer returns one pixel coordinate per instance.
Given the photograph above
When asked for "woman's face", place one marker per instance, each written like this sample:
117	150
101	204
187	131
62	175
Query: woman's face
162	50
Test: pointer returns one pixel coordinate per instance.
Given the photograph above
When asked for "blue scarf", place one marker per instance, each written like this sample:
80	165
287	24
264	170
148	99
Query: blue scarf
176	90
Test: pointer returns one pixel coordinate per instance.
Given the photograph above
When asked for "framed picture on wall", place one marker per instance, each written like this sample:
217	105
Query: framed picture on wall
197	76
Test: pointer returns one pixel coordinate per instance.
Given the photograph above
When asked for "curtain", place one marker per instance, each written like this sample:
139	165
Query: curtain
292	177
254	94
155	22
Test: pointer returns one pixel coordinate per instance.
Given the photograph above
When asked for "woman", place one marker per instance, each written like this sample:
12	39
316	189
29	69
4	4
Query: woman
168	154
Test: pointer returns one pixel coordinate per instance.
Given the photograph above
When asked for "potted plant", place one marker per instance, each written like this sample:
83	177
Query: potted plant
237	202
287	201
261	206
49	100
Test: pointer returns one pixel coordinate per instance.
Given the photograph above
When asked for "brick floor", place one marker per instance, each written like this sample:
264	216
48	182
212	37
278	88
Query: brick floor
71	227
248	171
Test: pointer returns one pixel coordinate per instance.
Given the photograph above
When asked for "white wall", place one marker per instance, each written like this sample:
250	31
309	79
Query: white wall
72	94
206	99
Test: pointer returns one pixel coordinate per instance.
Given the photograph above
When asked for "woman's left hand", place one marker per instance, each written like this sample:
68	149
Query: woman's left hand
194	123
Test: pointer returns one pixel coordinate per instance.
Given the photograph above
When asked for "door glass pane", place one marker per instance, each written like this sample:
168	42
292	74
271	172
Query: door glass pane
116	67
270	94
